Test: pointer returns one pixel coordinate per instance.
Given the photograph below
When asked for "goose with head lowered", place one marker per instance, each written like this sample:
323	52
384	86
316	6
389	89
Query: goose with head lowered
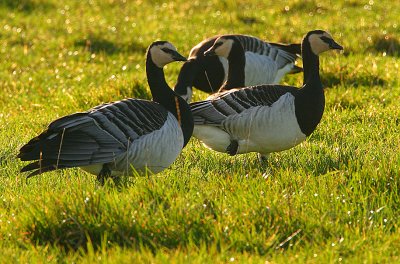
265	118
264	62
119	138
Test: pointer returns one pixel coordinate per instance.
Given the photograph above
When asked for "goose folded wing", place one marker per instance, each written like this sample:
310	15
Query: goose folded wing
96	136
282	53
217	109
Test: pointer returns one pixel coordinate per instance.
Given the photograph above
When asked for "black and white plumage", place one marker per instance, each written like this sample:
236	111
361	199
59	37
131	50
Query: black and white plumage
119	138
266	118
264	62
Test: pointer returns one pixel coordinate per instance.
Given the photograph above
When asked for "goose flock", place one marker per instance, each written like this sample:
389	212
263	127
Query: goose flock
247	111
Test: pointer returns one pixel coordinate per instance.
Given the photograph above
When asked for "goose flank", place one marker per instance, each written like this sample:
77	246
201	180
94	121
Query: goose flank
122	137
266	118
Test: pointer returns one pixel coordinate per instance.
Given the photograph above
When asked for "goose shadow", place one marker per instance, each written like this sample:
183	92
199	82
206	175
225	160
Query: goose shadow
387	44
26	6
95	44
331	79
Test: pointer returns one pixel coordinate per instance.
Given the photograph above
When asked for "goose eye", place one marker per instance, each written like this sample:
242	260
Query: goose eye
326	39
166	50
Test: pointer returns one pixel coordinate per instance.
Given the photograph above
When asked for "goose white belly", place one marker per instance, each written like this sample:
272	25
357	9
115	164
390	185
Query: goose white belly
155	152
262	129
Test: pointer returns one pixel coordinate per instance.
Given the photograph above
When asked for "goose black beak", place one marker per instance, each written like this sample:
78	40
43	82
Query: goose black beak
335	45
177	56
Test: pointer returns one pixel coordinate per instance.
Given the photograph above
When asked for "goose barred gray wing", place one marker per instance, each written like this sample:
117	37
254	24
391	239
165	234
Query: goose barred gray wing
274	51
96	136
217	109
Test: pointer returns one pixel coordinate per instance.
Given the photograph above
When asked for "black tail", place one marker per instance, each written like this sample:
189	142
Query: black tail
36	150
290	48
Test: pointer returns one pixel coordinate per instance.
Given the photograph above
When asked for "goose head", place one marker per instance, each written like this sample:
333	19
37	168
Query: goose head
321	41
163	52
221	47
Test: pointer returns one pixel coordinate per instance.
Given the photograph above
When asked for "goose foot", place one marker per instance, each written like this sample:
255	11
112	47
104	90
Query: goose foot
232	148
263	158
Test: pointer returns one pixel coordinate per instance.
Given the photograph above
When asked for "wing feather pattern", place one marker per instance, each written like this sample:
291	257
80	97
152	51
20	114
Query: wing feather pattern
93	137
217	109
280	53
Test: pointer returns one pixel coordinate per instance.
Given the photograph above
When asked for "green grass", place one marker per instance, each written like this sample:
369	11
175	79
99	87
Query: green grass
335	198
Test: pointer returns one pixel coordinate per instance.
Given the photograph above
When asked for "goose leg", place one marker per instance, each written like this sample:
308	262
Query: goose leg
104	174
232	148
263	157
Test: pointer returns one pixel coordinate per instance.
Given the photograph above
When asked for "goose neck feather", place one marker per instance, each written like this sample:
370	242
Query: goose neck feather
236	69
310	64
190	69
163	95
310	100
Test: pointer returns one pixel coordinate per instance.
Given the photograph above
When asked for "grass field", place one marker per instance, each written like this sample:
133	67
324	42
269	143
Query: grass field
334	198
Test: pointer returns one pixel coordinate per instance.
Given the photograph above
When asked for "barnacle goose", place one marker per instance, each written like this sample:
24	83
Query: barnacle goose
265	62
119	138
266	118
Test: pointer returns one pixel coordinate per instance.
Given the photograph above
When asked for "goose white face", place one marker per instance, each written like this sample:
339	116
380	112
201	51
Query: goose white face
163	54
322	42
222	47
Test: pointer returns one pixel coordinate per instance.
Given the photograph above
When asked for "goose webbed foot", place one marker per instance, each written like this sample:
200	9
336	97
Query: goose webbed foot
232	148
263	158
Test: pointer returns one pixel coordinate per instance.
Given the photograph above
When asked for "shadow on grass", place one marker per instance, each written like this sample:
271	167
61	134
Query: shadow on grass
330	79
386	44
96	44
26	6
98	227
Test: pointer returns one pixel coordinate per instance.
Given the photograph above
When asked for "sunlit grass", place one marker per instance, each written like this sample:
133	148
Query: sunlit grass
334	198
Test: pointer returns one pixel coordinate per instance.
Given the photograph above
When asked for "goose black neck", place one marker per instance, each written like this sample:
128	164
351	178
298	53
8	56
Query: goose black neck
158	86
310	100
163	95
237	63
187	74
310	64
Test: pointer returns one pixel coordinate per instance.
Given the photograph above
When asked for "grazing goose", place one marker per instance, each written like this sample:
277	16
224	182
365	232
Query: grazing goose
264	63
266	118
119	138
